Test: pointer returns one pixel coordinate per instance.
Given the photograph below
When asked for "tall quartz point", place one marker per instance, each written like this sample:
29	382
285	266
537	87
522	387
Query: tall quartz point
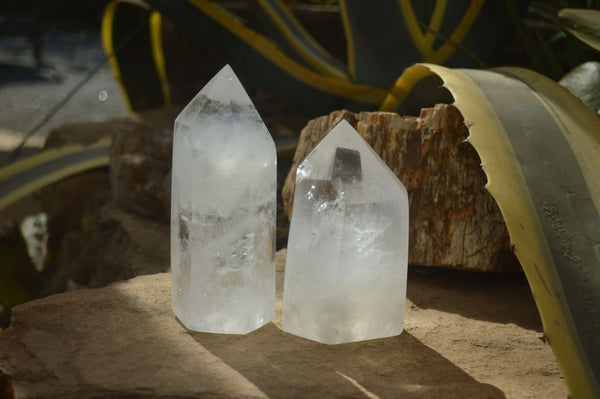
346	266
223	206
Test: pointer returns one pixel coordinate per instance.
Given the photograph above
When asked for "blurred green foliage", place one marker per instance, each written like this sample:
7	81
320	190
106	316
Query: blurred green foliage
552	45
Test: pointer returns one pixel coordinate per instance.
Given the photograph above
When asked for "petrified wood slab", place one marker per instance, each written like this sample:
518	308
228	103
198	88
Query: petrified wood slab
454	222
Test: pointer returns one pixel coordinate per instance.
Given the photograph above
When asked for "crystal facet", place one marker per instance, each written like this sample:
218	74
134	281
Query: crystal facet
223	206
345	277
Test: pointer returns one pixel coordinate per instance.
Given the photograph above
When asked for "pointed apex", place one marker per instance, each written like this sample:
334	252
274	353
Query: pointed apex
226	69
344	123
225	87
344	157
344	128
224	90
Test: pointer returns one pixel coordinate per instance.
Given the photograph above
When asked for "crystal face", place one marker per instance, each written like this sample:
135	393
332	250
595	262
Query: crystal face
346	266
223	205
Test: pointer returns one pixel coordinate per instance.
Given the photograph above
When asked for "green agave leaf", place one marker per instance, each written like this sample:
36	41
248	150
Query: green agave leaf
584	83
22	178
583	24
539	148
540	55
131	40
26	176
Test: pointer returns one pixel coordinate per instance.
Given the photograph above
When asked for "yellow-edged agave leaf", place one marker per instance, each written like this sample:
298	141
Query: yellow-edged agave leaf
540	149
283	58
131	36
296	41
24	177
313	85
583	24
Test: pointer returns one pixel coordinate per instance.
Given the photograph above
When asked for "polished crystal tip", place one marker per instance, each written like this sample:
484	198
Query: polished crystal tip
223	206
346	266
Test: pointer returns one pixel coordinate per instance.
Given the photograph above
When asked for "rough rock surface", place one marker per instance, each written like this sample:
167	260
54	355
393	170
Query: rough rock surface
454	222
85	133
117	245
92	241
140	159
475	337
66	201
140	165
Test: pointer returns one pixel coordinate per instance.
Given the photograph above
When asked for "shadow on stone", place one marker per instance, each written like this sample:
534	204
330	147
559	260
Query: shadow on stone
120	341
283	365
507	296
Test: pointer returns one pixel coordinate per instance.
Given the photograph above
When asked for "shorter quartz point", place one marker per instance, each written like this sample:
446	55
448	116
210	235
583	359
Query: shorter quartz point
346	265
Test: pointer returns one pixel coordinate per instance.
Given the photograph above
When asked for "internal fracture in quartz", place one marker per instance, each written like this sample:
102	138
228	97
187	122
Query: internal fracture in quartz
223	206
346	266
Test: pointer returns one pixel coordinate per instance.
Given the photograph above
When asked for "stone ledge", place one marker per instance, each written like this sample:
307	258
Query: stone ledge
465	338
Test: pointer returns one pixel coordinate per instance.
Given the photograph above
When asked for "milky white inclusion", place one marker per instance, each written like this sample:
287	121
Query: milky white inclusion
346	266
223	205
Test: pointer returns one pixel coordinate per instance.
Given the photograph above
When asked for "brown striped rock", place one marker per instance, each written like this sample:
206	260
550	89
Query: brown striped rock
454	222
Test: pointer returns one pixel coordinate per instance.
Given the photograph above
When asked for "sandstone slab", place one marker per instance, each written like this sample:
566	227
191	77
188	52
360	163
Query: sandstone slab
123	341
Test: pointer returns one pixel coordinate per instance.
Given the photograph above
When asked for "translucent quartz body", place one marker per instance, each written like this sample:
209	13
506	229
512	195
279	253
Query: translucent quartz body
346	266
223	206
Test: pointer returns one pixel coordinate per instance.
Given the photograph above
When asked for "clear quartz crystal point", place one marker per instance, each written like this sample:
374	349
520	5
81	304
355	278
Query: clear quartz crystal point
223	205
346	267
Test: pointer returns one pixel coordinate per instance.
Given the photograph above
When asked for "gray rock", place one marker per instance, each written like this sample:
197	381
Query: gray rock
117	245
94	242
140	165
